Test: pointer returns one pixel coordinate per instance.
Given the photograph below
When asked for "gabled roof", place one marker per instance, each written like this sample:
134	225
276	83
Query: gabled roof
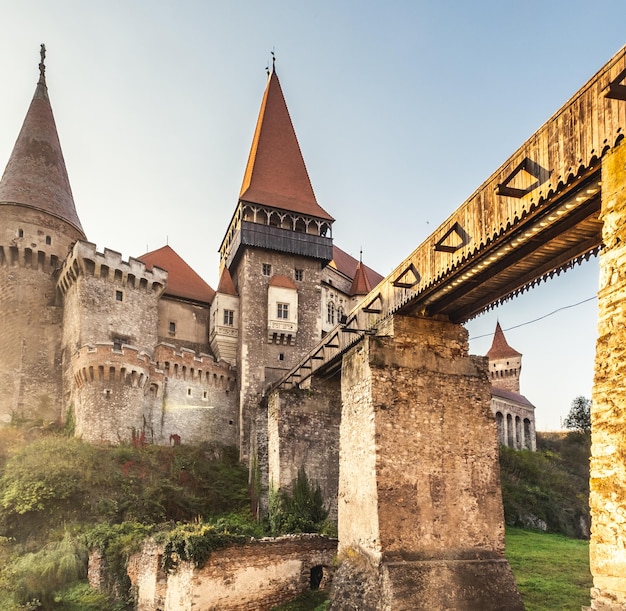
35	175
283	282
276	174
500	348
226	285
182	281
347	265
360	283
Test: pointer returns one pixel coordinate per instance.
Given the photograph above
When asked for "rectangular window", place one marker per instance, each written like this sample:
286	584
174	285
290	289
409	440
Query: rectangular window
172	328
299	274
119	295
283	311
229	318
267	269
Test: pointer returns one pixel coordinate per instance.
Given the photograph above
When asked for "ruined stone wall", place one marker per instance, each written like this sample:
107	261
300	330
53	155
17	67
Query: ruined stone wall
421	523
31	246
607	498
303	431
261	361
252	577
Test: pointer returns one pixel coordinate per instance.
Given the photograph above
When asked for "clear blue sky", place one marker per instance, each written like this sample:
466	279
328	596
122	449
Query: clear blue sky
401	108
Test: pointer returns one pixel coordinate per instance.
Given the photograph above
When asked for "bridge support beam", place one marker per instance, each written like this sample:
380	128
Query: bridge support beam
303	432
421	524
607	498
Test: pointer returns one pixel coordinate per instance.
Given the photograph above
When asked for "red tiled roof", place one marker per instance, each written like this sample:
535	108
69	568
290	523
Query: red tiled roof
282	281
360	283
500	349
36	175
347	265
182	281
226	285
276	174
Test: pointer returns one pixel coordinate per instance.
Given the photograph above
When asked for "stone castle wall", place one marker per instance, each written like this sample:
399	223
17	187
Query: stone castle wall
32	244
303	431
262	362
252	577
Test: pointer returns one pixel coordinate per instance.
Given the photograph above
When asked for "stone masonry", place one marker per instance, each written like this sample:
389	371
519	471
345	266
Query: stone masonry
421	524
607	498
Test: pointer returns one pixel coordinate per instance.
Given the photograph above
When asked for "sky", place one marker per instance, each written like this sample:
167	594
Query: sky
402	109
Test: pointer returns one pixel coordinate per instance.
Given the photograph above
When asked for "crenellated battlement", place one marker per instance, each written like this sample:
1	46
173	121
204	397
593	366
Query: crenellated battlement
103	362
186	364
85	260
27	257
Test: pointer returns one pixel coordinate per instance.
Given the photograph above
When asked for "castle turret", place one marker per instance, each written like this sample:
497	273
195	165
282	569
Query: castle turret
224	331
505	363
38	224
278	232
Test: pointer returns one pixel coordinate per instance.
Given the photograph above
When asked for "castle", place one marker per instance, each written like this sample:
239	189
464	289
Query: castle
145	349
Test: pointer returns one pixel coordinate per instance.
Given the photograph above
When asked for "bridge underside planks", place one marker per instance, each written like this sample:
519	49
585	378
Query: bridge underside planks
534	216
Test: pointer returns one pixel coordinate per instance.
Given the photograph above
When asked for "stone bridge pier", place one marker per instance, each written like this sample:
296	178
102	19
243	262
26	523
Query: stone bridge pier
420	516
608	413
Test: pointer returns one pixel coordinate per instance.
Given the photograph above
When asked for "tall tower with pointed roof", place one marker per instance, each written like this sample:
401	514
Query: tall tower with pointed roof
38	224
505	363
275	248
514	413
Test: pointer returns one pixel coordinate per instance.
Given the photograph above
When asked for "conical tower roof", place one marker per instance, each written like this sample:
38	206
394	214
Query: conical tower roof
500	348
226	285
360	283
35	175
276	174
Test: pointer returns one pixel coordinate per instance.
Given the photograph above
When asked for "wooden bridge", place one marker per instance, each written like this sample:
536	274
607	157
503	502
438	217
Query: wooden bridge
418	493
535	216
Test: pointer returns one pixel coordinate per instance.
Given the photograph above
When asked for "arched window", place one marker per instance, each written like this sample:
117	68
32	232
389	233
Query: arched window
330	313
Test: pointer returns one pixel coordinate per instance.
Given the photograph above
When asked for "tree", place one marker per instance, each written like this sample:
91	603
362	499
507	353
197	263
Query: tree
579	416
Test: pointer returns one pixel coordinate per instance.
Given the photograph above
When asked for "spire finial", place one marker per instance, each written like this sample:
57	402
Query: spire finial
42	65
361	255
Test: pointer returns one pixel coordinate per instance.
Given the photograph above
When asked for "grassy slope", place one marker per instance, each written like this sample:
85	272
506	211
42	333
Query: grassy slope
552	571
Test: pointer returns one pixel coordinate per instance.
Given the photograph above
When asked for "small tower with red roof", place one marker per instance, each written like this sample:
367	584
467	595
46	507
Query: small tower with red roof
224	323
505	363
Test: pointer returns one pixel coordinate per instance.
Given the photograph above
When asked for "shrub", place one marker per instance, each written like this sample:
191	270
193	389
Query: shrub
195	542
302	511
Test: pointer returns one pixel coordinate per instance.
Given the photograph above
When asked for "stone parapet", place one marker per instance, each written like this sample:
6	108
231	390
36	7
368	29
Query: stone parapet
85	260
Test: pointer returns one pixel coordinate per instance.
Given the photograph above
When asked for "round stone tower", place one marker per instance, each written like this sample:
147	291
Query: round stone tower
38	225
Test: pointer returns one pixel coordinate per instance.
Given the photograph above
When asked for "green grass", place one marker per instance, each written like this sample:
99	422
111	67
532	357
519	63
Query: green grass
552	571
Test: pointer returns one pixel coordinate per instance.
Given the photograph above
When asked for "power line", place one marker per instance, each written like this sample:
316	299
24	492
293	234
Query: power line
530	322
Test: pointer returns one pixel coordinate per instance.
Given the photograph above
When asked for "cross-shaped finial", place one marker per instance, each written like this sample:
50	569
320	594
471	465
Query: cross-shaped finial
42	65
